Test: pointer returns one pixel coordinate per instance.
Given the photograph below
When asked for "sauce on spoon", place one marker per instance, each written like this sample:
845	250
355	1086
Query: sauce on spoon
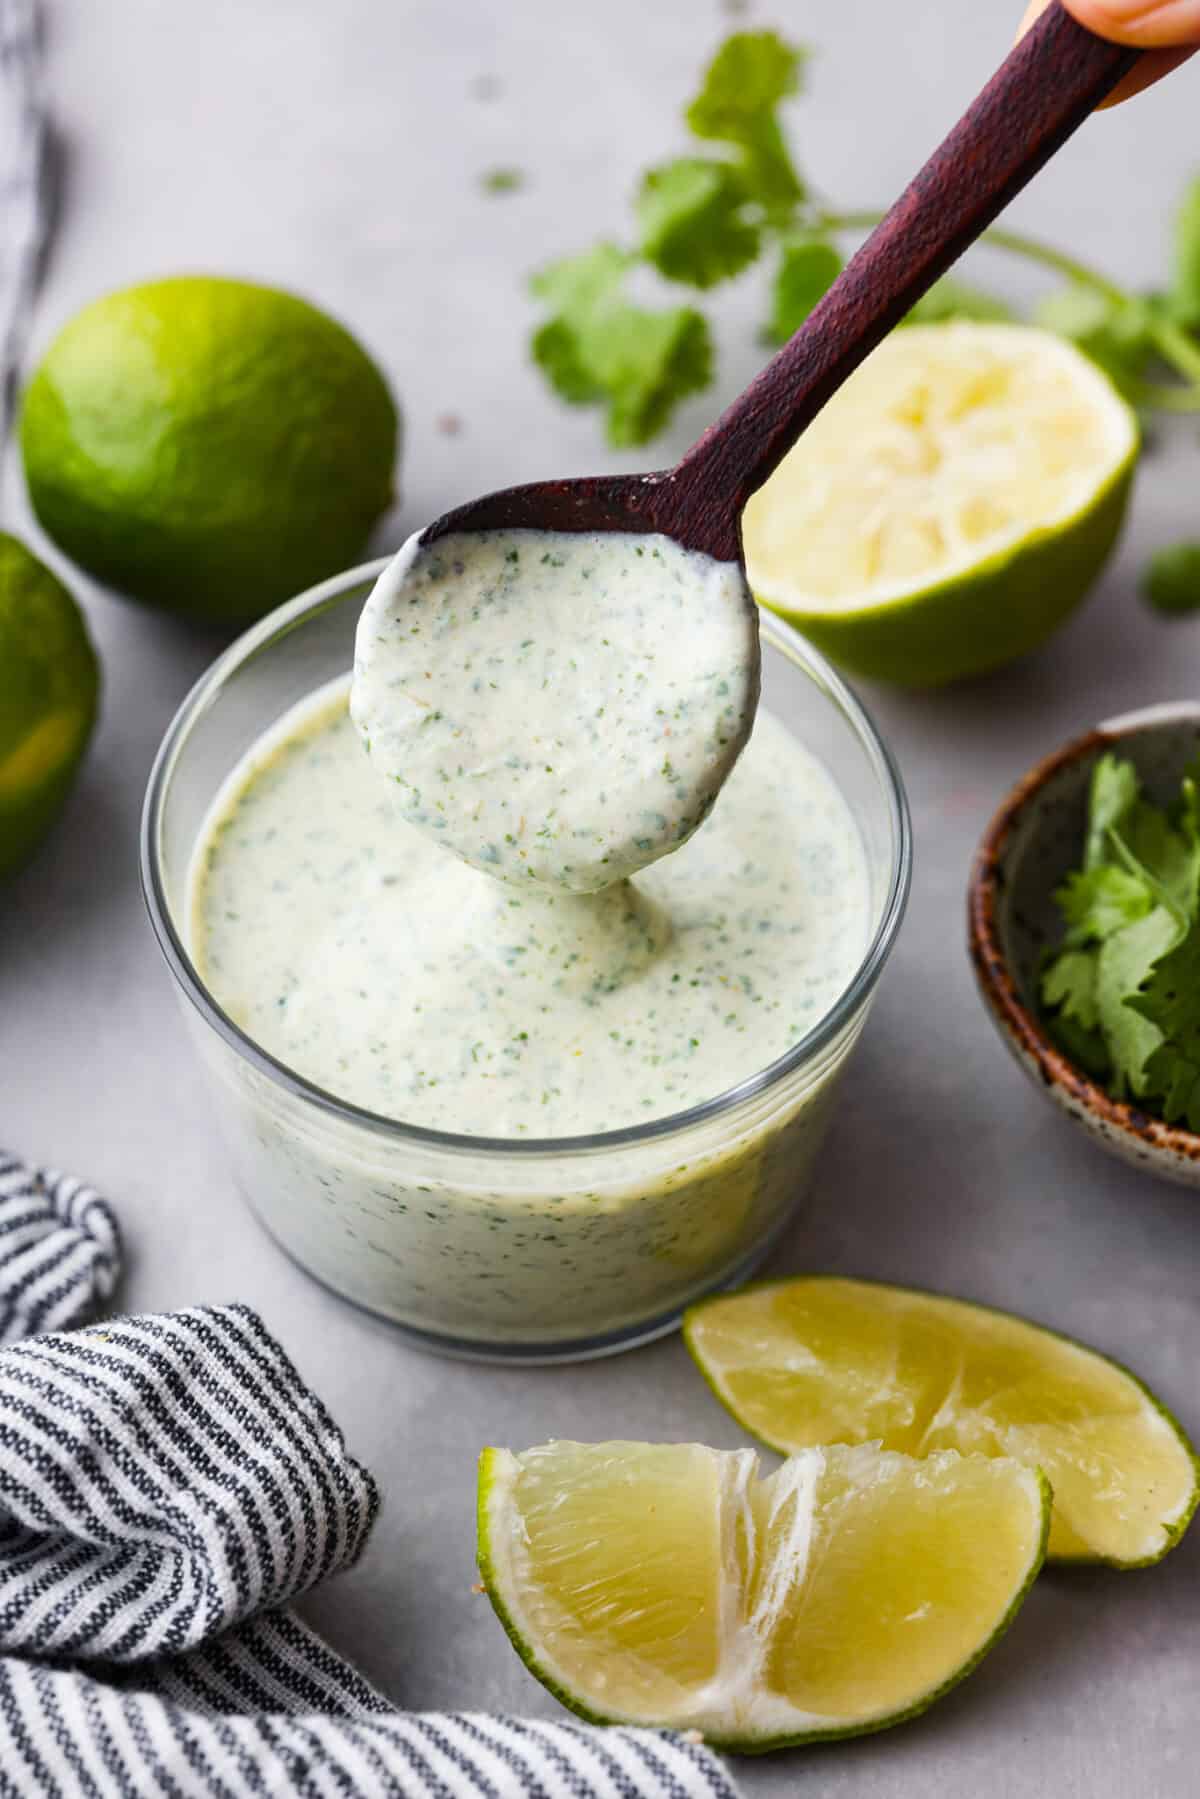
556	708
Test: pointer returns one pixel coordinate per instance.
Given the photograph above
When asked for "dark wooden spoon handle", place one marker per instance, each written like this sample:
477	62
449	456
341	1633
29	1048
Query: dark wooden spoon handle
1040	94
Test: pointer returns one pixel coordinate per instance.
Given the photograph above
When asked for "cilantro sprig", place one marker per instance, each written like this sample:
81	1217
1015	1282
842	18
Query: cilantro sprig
597	346
1122	994
737	199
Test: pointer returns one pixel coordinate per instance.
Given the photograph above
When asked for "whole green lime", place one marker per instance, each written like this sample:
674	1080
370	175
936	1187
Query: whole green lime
208	446
49	683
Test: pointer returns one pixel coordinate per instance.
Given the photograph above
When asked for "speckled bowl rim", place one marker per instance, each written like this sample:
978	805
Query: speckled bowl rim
852	998
996	983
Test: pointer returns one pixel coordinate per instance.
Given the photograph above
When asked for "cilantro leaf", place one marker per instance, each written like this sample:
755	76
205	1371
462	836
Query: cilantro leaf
1166	859
651	361
1097	901
598	347
502	180
1085	1048
1184	292
808	267
575	289
951	299
1112	790
1173	1080
1069	985
557	352
1122	983
1123	964
1188	815
690	215
747	78
1134	896
1171	582
640	364
1170	998
744	83
1170	1001
1068	991
1116	334
577	284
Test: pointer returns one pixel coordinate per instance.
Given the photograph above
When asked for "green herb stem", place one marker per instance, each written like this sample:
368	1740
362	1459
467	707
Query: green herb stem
1031	248
1173	344
1158	397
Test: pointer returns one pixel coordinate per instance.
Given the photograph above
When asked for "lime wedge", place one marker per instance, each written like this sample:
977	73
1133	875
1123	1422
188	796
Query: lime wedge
951	505
669	1584
822	1360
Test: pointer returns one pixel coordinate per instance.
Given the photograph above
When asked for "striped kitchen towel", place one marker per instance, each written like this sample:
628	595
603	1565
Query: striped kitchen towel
168	1484
60	1250
24	186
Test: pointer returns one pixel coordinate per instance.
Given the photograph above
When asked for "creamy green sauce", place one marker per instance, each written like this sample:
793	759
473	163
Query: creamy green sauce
559	709
355	950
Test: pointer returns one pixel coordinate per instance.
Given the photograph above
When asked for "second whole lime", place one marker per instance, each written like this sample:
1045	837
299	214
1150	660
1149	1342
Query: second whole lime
208	446
49	687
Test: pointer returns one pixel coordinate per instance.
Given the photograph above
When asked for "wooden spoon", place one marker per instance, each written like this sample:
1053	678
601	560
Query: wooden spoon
1042	92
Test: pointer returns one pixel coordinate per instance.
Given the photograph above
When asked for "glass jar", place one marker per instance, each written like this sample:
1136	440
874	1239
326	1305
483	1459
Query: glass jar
522	1250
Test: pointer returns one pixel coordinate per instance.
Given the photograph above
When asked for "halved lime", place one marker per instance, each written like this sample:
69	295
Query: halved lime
951	504
825	1360
669	1584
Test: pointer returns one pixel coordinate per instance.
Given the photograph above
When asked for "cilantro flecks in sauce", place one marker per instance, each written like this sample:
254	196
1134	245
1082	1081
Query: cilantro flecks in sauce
356	951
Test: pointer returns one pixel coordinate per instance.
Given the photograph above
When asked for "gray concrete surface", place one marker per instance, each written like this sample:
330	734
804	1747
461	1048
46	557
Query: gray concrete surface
338	149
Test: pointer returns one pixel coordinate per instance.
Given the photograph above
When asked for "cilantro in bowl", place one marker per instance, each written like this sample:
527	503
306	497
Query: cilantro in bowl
1122	992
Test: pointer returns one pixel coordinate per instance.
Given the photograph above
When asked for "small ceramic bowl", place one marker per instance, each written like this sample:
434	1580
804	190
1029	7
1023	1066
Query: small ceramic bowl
1032	843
